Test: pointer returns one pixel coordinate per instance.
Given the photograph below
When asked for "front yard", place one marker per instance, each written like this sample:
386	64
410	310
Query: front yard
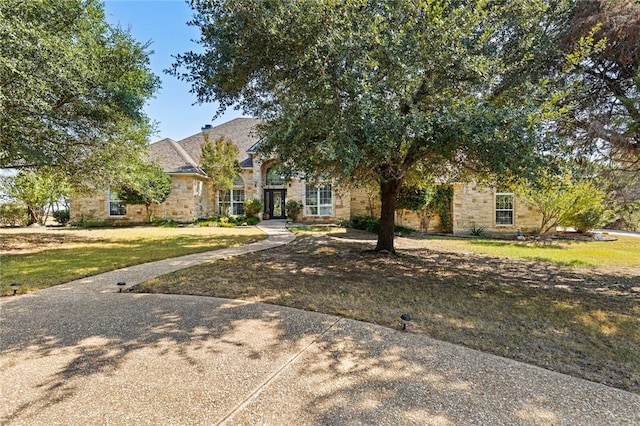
42	257
568	306
581	320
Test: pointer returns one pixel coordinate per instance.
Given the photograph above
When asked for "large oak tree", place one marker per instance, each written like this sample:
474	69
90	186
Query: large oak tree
72	89
360	90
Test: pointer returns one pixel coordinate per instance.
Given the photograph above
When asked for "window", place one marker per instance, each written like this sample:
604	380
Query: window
116	207
232	202
318	200
504	209
274	177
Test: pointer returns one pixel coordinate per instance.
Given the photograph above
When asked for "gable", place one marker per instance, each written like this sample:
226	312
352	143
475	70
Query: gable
173	158
241	131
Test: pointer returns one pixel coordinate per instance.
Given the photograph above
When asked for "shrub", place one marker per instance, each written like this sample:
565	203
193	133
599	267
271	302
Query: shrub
293	209
365	223
165	223
13	214
253	221
477	231
252	207
61	216
372	224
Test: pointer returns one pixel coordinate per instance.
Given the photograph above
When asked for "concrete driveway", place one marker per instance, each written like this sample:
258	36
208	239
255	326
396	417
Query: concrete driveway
82	353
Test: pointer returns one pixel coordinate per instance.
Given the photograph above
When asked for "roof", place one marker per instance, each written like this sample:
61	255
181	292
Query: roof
173	158
184	156
241	131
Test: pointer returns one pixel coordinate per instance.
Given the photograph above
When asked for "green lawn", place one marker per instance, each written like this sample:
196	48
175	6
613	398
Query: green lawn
625	252
47	257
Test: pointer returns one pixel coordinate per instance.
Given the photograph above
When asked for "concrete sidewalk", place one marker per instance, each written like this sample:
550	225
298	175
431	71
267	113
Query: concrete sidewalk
82	353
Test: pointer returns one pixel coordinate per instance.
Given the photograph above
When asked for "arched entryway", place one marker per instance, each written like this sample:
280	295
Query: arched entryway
275	194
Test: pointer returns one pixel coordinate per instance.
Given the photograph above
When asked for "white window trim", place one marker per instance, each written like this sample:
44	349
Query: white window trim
109	201
307	207
232	201
512	209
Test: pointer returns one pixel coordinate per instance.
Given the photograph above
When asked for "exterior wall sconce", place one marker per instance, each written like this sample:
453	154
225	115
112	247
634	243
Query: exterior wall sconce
14	287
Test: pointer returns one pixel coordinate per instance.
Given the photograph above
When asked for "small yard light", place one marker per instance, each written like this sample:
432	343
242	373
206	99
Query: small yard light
14	287
121	285
405	320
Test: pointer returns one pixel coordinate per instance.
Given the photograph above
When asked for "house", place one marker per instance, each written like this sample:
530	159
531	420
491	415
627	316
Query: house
191	198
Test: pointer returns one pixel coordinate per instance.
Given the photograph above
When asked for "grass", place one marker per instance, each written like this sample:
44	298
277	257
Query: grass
625	252
45	257
580	321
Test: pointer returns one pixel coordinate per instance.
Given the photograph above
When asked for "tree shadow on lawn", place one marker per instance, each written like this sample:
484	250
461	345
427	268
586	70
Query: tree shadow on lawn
580	322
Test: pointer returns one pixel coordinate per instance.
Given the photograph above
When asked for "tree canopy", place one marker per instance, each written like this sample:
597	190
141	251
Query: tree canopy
39	191
604	81
368	90
72	88
145	183
219	161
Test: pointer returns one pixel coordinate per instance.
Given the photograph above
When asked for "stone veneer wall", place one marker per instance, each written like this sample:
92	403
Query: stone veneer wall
189	200
475	205
363	203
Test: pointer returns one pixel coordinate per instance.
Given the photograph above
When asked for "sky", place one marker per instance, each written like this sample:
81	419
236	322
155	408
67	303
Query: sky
164	24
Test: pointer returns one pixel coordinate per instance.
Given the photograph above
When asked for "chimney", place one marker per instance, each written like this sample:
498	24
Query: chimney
206	127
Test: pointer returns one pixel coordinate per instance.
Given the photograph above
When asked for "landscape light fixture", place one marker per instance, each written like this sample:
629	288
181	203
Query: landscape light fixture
121	285
405	320
14	287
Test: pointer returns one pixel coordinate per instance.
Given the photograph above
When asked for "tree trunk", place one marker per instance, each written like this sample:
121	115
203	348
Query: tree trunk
389	189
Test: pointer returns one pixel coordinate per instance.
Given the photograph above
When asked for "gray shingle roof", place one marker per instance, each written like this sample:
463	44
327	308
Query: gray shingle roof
184	156
173	158
241	131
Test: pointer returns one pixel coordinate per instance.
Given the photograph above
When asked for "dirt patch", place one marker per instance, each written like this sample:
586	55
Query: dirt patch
24	242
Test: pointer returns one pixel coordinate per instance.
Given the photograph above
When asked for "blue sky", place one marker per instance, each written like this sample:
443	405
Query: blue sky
164	24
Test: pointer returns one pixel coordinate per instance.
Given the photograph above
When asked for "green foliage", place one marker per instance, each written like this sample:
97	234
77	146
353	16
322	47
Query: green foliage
38	191
368	91
602	81
72	89
364	223
145	183
165	223
13	214
371	224
219	161
565	201
61	216
477	231
237	220
413	198
88	223
252	207
293	209
252	221
441	204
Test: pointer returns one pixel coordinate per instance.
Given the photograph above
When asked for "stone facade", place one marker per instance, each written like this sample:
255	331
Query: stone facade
192	198
189	200
475	206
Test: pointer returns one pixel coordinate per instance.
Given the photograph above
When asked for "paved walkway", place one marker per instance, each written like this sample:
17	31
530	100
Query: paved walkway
82	353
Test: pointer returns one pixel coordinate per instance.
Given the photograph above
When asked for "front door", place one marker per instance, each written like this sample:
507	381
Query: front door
274	200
